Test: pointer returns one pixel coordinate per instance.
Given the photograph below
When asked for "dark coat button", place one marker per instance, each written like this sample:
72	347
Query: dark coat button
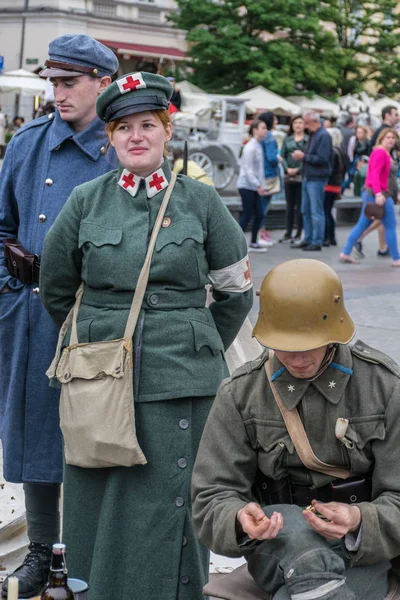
154	299
185	579
179	502
184	541
183	424
182	463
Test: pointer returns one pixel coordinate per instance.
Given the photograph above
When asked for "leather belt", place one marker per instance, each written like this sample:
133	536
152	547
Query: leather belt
283	491
156	299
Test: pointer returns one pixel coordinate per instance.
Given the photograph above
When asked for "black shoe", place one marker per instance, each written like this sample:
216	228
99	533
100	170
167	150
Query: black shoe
286	238
33	574
333	242
383	252
299	244
326	243
358	247
312	247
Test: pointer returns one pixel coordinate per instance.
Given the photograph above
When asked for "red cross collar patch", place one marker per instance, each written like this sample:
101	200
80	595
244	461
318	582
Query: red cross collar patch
130	83
156	182
129	182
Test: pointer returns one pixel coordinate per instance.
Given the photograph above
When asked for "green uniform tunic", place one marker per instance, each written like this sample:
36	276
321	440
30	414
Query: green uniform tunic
128	530
245	431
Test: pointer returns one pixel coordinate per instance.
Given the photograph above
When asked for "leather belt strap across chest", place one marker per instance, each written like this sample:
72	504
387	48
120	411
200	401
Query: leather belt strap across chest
299	437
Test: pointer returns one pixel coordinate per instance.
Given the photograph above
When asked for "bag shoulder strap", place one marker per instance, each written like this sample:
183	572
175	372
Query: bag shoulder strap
299	437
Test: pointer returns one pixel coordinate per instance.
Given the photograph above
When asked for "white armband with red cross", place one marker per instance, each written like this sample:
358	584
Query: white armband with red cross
234	278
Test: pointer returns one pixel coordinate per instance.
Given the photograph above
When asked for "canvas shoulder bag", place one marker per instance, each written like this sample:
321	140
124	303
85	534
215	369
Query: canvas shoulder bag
299	437
97	416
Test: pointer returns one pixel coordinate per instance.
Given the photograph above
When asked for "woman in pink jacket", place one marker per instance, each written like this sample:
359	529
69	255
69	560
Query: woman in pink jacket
376	191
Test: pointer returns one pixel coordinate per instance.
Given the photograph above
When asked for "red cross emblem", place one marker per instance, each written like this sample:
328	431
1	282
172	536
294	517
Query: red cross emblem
129	181
157	182
247	273
130	83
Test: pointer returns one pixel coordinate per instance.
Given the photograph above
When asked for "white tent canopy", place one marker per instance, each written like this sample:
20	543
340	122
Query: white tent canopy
185	87
377	106
260	99
22	82
317	103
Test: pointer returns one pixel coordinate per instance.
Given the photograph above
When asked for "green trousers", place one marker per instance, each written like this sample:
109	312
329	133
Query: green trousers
299	560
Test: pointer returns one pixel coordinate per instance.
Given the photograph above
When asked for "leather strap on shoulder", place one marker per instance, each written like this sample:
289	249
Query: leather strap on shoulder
299	437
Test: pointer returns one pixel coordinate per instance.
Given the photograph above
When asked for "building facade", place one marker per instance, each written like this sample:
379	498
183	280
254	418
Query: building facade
136	30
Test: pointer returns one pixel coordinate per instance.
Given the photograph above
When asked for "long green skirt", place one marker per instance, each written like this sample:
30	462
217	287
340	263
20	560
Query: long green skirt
128	530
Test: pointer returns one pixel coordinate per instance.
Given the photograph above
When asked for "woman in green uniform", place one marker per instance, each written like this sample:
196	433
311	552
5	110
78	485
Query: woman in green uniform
128	530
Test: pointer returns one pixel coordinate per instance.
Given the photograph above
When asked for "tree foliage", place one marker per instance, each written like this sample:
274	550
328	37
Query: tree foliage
291	46
368	35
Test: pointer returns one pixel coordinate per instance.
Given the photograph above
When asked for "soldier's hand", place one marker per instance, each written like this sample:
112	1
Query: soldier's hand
340	519
258	526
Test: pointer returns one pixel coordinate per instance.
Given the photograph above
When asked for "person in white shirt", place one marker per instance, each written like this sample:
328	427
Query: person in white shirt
250	182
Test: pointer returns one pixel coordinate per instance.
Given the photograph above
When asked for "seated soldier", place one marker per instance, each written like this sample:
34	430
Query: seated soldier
251	490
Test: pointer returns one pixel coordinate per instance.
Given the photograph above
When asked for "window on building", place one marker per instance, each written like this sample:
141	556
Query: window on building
148	15
105	9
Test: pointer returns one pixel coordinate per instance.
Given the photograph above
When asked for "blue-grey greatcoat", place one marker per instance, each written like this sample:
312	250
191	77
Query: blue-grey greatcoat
44	161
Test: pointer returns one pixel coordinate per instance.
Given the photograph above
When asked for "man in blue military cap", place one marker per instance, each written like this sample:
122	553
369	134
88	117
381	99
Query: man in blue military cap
44	161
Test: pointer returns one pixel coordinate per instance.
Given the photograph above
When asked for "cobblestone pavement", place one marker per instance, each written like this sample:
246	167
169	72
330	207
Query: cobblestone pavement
371	289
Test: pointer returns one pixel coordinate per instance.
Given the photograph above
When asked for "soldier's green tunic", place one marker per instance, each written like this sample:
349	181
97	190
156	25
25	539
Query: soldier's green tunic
245	431
128	530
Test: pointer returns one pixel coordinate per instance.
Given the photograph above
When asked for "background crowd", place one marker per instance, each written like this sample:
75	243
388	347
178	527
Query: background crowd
317	162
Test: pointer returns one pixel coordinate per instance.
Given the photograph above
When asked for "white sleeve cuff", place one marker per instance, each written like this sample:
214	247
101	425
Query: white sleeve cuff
352	540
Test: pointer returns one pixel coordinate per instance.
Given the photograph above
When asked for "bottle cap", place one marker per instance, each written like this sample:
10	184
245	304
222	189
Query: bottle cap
59	548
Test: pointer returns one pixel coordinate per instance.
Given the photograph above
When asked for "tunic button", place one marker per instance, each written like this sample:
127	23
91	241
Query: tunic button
36	291
183	424
184	541
50	116
185	579
154	299
179	502
42	218
102	150
182	463
49	181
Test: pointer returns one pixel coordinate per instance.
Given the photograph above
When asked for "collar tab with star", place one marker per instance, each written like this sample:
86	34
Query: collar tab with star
331	383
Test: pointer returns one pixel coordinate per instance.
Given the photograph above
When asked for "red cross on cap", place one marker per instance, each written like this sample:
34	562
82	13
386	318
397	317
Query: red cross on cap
130	83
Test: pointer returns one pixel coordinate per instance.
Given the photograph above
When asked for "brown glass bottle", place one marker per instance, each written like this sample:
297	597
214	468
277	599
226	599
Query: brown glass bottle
57	587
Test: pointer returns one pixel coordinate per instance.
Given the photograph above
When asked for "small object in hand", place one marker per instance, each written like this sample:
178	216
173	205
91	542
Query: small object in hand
311	508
